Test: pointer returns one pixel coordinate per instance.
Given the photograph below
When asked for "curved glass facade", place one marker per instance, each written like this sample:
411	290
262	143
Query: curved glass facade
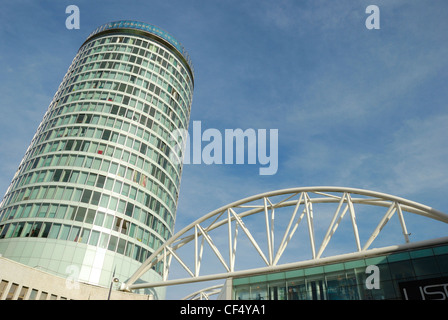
348	280
97	187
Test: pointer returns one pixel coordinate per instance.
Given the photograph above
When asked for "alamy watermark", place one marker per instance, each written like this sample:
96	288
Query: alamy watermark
373	20
373	280
72	280
235	146
72	21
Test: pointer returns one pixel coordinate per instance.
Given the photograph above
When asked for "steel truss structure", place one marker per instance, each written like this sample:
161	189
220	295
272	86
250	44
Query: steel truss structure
295	206
204	294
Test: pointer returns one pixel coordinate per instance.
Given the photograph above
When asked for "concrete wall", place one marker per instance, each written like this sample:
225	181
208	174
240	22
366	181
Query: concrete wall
18	281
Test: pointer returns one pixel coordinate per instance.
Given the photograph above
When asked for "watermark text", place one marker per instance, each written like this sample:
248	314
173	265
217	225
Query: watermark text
235	146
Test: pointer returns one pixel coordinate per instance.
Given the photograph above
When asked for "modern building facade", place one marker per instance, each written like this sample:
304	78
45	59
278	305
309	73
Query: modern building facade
96	192
412	273
309	243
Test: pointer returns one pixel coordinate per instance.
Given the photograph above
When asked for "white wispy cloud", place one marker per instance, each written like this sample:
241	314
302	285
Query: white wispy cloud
418	155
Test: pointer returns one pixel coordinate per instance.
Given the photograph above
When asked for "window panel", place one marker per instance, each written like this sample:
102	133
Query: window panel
54	231
84	236
64	232
94	238
74	233
99	218
12	291
121	246
104	238
80	214
90	216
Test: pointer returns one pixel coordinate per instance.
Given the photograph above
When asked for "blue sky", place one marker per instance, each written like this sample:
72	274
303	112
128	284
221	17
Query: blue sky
354	107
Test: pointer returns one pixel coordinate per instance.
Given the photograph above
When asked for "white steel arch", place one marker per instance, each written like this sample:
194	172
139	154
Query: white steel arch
204	294
301	205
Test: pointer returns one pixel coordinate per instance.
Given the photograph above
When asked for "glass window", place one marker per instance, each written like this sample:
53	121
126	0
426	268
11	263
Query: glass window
103	240
117	155
315	289
71	213
386	291
136	253
22	294
4	231
125	189
86	196
296	289
77	195
145	238
113	203
42	210
84	235
67	194
59	192
12	291
106	135
425	266
121	171
277	290
26	212
50	193
64	232
117	186
100	181
91	180
96	164
99	218
34	210
90	216
109	221
117	224
89	161
132	230
121	206
129	209
133	193
109	184
79	161
35	229
60	214
3	285
34	193
94	238
121	246
54	231
52	211
74	233
33	294
95	198
401	270
80	214
242	292
129	249
45	229
26	230
442	261
112	243
104	200
151	241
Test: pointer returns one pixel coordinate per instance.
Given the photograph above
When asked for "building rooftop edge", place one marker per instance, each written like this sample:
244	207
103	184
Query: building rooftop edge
143	26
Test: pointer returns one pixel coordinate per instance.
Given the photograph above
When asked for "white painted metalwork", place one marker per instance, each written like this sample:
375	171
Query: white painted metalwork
293	206
204	294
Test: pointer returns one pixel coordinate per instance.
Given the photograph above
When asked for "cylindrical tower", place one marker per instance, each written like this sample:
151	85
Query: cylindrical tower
97	189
